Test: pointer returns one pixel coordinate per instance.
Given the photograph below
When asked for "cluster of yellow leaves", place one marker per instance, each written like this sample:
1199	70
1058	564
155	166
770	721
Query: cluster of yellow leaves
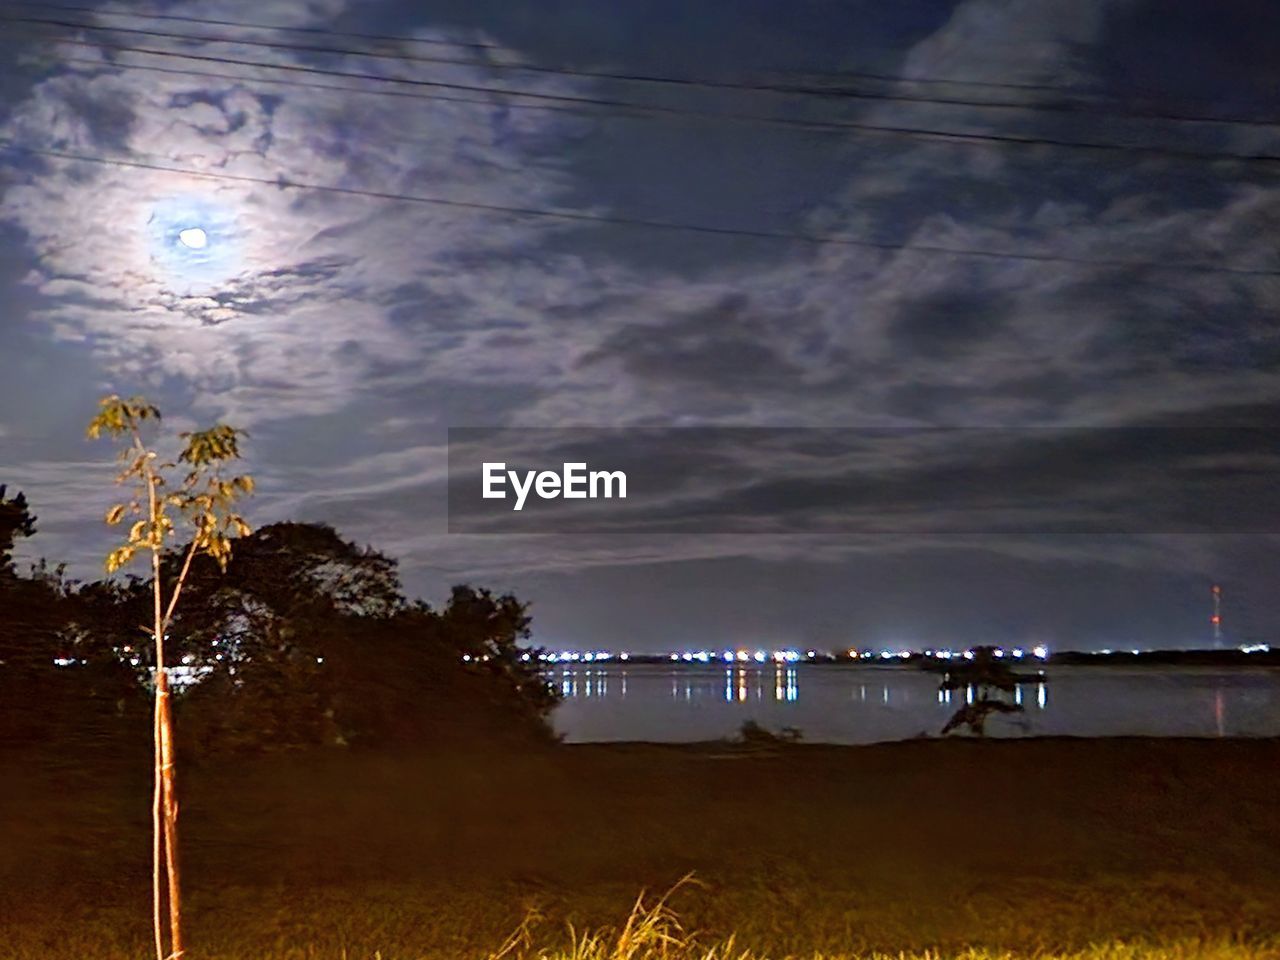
215	445
116	417
205	499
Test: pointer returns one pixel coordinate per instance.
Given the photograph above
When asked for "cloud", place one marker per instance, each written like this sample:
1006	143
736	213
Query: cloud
285	311
348	332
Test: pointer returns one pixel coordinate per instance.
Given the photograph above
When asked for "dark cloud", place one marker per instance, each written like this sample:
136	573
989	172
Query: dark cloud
1226	48
941	325
727	347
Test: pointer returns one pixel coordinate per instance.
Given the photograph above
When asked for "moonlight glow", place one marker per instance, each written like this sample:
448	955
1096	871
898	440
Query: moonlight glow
194	243
193	237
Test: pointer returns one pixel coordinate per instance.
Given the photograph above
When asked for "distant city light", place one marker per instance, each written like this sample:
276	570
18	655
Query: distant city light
782	656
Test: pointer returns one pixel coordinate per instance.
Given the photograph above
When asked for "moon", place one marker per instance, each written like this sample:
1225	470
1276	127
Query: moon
193	238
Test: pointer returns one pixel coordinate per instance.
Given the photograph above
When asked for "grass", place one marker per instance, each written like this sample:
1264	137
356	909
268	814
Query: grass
650	932
1116	850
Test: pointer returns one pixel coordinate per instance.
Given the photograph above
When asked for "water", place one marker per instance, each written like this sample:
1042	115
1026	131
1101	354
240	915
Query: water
868	704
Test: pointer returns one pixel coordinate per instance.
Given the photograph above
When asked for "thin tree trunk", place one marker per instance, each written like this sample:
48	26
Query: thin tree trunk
157	835
165	780
157	735
177	948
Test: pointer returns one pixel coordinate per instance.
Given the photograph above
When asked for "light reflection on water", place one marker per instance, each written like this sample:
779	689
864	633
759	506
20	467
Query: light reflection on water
865	704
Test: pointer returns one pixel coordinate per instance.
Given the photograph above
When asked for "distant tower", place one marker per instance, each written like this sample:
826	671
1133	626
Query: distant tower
1216	619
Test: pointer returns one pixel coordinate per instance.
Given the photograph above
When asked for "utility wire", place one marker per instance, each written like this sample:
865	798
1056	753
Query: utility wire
309	85
482	46
578	216
695	82
958	137
841	75
315	31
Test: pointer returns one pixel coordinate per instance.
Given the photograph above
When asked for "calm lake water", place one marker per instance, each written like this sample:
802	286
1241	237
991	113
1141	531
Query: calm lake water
867	704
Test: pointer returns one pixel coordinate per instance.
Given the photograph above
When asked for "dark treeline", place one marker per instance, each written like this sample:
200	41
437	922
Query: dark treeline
305	640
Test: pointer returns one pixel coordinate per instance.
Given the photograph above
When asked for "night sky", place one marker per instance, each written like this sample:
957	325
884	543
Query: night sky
348	332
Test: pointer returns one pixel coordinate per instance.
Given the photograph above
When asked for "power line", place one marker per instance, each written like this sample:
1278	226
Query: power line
308	85
385	38
848	127
577	216
482	46
696	82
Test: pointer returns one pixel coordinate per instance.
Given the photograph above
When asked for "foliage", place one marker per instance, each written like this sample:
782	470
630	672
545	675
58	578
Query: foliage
988	676
205	499
46	620
300	666
16	520
304	638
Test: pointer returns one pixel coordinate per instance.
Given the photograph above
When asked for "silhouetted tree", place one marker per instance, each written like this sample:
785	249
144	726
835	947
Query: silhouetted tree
60	677
308	638
989	677
16	520
493	631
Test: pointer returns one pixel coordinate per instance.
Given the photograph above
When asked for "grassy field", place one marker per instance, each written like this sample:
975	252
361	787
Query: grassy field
1118	849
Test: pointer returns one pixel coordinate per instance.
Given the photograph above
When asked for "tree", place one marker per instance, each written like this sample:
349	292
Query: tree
282	573
990	677
16	521
204	501
492	631
61	680
296	638
292	594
